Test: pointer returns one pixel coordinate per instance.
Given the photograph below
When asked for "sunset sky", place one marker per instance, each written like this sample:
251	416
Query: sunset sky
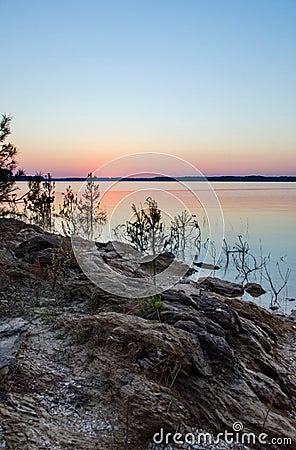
210	81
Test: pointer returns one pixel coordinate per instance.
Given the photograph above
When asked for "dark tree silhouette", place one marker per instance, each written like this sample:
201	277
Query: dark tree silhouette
90	215
8	165
66	210
39	201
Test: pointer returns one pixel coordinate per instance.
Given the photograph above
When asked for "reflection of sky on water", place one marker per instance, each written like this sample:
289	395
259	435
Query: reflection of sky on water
261	212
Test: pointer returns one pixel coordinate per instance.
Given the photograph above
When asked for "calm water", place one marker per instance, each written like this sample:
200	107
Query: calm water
263	213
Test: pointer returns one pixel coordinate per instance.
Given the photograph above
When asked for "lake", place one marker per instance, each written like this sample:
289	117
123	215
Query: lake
263	213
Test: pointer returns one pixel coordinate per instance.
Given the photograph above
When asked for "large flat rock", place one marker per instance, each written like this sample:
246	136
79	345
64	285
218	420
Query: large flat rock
222	287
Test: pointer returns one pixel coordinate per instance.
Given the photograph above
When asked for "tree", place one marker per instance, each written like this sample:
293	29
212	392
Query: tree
39	201
66	210
8	165
90	214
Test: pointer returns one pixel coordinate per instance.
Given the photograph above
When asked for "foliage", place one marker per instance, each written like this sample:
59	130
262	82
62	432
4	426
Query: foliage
149	307
66	210
8	166
39	201
147	233
185	233
90	214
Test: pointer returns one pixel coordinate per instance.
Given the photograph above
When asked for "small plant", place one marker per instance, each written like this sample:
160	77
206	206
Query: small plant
147	233
210	246
276	287
55	269
245	262
185	235
150	307
227	251
62	259
80	336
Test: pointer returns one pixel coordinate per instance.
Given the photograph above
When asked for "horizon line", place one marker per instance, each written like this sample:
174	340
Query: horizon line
171	178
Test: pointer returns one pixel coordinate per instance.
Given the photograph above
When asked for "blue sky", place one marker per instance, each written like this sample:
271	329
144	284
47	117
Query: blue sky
210	81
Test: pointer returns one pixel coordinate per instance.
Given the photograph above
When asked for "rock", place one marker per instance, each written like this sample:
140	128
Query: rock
191	271
209	378
274	307
14	230
222	287
159	264
28	232
259	317
263	386
10	335
254	289
206	266
35	244
121	249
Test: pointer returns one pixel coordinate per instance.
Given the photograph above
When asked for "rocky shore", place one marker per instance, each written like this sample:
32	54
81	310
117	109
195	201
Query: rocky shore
83	369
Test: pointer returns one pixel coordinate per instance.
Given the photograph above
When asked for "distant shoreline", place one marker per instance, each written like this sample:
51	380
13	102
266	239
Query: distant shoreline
223	178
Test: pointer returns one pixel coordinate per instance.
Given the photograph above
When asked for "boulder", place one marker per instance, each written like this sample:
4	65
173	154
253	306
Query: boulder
222	287
254	289
12	230
158	264
207	266
36	243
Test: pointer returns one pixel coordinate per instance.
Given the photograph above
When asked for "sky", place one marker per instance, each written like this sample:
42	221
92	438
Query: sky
210	81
